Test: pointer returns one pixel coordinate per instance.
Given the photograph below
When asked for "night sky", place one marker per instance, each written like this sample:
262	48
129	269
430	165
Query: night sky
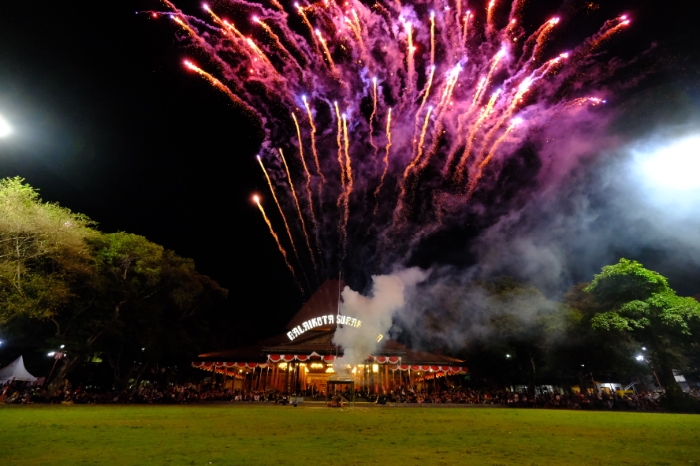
109	124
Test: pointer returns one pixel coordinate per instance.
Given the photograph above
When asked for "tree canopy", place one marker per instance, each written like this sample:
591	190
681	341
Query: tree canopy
640	303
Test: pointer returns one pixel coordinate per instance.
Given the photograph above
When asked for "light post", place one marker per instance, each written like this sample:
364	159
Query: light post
641	358
56	355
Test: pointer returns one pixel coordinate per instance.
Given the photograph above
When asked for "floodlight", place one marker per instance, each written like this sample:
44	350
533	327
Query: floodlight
5	128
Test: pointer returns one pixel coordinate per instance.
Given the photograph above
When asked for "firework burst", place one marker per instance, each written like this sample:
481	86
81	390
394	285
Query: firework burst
388	103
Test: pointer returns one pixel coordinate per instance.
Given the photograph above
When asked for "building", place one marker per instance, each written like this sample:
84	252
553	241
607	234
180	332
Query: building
305	358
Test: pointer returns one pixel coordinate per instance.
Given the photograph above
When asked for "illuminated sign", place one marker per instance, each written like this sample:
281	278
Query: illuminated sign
321	321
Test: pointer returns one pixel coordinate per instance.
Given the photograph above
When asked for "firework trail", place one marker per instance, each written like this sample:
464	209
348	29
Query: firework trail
279	207
277	240
307	184
436	65
371	117
301	215
314	152
426	93
487	159
218	84
348	190
386	164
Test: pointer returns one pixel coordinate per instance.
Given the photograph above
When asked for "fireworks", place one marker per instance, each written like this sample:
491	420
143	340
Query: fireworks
279	207
277	240
441	93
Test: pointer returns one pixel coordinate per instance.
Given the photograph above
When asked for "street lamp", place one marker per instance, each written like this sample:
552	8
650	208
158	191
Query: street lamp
56	355
640	358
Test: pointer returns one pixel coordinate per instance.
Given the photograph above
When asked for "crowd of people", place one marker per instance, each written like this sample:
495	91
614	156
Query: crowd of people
22	393
603	400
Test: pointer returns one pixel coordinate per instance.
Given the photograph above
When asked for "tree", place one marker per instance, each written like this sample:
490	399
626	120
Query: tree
43	249
134	308
588	350
639	303
116	294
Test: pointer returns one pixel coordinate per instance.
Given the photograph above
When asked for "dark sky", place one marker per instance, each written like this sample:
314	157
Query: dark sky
108	124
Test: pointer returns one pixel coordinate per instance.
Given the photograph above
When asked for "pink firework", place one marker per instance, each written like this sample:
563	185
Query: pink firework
386	103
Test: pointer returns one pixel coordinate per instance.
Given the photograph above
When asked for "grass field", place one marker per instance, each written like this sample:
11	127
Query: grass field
269	435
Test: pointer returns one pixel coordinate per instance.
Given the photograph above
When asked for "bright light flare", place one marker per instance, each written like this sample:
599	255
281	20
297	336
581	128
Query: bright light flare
5	128
674	166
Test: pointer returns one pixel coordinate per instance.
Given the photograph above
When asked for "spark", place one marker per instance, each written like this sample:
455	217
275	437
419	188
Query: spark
386	163
277	240
485	82
276	39
279	207
184	26
218	84
296	202
326	51
485	112
305	18
339	135
426	94
409	59
466	27
371	117
489	13
480	171
307	187
348	189
313	143
432	39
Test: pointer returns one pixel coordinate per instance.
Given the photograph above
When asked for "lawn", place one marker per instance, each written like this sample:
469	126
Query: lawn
269	435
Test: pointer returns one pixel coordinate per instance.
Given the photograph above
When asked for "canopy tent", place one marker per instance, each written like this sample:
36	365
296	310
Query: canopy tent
16	371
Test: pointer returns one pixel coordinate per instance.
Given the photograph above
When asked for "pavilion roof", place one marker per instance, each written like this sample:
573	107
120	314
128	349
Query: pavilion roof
247	354
423	357
319	341
324	301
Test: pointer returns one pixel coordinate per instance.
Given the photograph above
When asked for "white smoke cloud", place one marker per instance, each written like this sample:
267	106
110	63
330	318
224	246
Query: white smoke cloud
376	311
452	312
598	212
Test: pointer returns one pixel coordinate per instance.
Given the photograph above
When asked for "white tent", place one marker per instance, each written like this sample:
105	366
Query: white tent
15	371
